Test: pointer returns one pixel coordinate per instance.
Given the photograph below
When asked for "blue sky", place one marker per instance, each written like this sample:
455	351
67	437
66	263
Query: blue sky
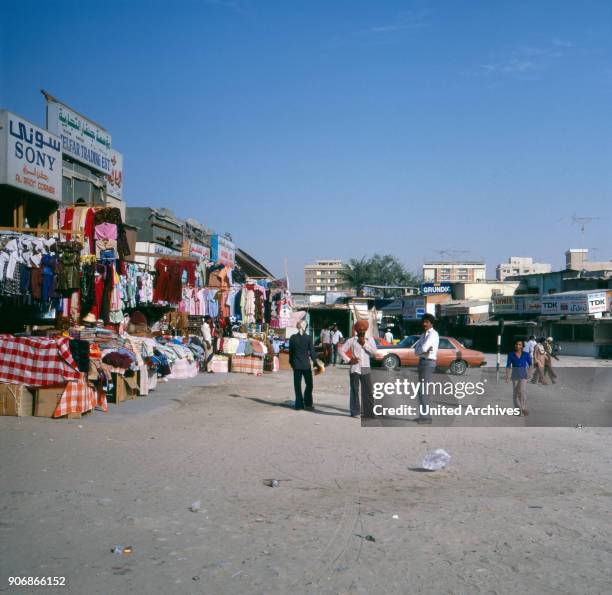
313	129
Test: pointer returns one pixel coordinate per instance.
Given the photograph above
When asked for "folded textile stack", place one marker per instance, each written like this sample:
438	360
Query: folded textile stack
230	345
219	364
247	365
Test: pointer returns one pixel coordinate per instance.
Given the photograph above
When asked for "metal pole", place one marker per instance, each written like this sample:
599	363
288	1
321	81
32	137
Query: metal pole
498	352
499	338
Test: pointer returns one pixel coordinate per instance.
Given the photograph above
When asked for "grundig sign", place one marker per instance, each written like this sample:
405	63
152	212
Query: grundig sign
435	288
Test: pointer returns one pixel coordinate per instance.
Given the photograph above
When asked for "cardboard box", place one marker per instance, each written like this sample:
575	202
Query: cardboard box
47	399
16	400
283	361
125	388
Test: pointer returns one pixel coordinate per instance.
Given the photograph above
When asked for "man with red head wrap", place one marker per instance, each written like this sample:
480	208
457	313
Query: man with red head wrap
361	349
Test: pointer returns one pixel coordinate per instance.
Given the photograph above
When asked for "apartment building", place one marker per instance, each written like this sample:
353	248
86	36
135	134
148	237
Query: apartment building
324	275
520	265
444	271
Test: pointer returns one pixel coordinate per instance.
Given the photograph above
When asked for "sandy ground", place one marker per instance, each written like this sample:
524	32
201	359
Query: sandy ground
518	510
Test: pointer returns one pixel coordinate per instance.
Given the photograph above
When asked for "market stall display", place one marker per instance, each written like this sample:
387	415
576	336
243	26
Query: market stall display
100	323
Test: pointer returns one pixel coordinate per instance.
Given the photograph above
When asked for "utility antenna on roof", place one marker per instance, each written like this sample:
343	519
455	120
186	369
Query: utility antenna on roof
583	221
450	252
287	274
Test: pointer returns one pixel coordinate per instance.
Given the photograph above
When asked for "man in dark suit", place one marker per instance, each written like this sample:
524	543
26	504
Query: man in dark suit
301	353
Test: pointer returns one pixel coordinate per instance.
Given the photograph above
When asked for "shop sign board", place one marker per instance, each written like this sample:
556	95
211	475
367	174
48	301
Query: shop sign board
81	138
199	251
530	304
30	157
436	288
504	304
114	180
598	302
587	302
222	250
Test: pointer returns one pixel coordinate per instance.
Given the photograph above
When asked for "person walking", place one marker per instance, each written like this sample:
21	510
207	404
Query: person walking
389	336
336	337
539	361
326	342
519	363
361	349
207	340
427	350
530	346
301	354
548	360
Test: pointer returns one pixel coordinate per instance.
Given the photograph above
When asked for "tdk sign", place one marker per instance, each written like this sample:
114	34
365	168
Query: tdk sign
435	288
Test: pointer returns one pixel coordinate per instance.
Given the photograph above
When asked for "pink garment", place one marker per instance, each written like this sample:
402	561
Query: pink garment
106	231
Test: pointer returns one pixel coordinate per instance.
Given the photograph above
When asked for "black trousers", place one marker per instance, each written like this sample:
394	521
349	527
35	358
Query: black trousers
361	383
304	400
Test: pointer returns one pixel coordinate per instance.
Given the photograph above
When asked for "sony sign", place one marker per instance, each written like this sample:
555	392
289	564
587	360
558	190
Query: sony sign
30	157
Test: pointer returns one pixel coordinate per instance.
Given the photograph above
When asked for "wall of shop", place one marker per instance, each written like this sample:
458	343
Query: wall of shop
483	290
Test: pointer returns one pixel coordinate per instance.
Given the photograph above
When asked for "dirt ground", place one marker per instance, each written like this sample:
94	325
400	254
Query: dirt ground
518	510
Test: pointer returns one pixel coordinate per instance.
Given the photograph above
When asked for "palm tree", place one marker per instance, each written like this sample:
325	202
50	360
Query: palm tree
357	273
377	270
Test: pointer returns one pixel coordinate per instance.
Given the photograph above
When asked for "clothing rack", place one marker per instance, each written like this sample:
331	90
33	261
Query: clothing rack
165	256
42	230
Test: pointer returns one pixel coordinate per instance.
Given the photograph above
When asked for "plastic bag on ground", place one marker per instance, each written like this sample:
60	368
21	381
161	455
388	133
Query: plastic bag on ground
436	459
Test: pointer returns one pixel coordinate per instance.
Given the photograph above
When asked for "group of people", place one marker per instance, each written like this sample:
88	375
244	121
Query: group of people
533	361
331	338
357	352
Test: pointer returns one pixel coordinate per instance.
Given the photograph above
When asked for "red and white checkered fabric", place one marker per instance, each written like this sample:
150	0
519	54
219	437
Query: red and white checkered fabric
79	397
36	361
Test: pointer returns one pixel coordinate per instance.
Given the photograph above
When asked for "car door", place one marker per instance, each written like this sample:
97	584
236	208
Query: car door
446	353
407	355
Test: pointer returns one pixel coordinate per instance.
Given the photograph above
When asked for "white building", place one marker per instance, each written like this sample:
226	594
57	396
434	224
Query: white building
521	265
324	275
444	271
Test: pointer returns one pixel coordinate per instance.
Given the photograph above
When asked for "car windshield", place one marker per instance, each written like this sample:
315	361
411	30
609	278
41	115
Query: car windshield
408	341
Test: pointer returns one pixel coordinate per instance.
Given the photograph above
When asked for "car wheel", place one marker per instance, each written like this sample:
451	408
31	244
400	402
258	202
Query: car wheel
458	367
391	362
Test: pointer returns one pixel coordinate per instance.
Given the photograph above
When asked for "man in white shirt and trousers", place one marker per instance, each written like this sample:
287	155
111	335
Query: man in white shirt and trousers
427	350
361	349
530	346
336	337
